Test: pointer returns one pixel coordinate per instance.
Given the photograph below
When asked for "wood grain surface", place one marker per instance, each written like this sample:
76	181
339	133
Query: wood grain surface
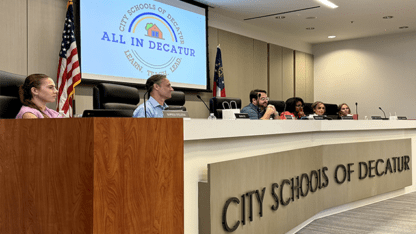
138	176
95	175
45	176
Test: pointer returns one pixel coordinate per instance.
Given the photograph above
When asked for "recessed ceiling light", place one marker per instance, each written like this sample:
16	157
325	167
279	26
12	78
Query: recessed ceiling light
328	3
310	28
332	36
404	27
280	17
311	17
388	17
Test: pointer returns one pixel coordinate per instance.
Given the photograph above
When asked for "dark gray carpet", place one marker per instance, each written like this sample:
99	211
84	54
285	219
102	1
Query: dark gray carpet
396	215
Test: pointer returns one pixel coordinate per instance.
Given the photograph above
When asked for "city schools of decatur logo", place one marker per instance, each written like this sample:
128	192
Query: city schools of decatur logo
153	39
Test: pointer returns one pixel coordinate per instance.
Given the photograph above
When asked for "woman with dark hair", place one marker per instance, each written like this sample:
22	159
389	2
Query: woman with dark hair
318	108
36	91
344	110
293	107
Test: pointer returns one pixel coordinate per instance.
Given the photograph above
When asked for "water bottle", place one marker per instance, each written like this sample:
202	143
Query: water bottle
212	116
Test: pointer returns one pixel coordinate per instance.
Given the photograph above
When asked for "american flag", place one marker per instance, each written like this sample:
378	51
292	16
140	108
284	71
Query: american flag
219	86
68	70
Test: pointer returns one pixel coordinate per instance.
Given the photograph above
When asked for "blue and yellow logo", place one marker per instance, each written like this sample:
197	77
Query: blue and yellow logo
156	42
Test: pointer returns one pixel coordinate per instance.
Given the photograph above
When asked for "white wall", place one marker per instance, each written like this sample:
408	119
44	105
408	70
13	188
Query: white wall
376	71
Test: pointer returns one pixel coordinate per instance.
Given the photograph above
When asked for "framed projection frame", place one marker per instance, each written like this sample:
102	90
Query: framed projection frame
128	41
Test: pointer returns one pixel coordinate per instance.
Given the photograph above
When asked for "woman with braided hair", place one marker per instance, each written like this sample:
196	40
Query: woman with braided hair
37	90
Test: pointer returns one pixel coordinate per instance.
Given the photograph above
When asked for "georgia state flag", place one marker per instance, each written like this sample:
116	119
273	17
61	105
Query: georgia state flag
219	86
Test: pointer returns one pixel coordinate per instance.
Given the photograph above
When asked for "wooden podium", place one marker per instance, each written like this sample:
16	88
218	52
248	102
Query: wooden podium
91	175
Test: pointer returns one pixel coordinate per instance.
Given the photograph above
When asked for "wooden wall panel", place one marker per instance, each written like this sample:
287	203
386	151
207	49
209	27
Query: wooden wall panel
309	84
288	74
13	37
237	54
275	72
304	84
281	75
259	61
45	24
300	88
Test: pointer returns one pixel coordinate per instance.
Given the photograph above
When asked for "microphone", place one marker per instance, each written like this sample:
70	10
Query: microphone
199	97
144	102
383	112
356	107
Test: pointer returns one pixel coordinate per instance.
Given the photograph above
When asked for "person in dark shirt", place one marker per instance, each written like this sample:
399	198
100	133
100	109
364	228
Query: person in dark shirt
259	107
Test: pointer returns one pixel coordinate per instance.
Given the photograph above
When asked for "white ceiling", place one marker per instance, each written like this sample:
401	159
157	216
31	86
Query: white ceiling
352	19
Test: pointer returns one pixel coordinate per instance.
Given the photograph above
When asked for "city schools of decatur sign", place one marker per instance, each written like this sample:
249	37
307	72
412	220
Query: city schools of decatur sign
276	192
305	183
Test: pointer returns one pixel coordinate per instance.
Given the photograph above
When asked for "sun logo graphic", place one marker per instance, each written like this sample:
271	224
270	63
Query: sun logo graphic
153	31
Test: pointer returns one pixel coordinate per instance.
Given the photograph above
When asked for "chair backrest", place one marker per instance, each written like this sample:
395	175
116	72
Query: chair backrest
216	105
331	110
279	105
177	101
9	94
114	96
307	108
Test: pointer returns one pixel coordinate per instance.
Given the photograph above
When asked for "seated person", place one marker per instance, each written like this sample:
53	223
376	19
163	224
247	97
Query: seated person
258	107
36	91
344	110
158	89
318	108
293	107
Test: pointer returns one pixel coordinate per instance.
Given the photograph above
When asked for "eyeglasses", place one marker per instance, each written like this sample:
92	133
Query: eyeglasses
300	106
264	99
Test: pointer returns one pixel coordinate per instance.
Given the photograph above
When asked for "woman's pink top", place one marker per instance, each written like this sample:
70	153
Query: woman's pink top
49	112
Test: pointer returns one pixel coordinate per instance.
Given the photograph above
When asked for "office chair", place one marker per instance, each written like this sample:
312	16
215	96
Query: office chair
279	105
331	110
177	101
307	109
216	105
9	94
114	100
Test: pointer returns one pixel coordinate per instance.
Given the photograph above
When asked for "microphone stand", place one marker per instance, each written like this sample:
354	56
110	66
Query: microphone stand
383	112
356	108
199	97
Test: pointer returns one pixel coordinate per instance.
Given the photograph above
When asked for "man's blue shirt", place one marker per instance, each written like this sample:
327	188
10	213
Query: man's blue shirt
153	109
253	111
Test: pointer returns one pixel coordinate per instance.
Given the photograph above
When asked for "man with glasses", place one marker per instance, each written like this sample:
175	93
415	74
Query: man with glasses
259	107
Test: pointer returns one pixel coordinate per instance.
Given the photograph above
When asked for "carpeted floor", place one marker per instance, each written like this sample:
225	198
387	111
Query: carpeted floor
396	215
